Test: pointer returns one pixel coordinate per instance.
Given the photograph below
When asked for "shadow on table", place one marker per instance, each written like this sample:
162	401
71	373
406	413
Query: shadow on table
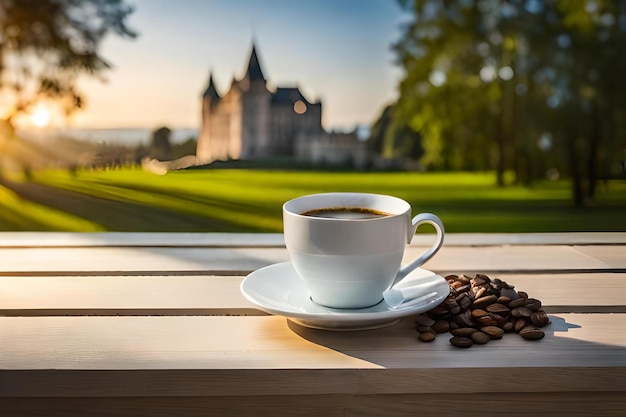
394	346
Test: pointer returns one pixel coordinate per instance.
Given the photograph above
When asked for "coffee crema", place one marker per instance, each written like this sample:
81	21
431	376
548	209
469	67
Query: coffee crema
349	213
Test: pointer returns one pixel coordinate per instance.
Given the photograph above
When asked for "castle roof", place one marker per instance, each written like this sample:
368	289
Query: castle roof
254	71
288	96
211	91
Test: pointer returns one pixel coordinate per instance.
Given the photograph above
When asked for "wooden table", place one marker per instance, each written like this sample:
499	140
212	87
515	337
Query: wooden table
155	325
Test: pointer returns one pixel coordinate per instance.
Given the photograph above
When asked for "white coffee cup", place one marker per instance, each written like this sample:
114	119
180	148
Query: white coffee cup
346	262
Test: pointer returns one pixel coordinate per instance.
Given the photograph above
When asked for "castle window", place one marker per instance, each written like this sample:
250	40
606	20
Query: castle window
299	107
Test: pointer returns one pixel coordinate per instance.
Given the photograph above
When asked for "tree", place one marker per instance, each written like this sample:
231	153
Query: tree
161	147
582	62
46	44
488	80
451	93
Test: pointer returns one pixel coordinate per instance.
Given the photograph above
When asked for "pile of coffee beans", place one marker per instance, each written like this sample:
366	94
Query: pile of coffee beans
481	309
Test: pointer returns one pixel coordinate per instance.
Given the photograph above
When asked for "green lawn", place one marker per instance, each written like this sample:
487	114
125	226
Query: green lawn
250	201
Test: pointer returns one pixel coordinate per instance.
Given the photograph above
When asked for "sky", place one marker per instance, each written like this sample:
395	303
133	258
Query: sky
336	51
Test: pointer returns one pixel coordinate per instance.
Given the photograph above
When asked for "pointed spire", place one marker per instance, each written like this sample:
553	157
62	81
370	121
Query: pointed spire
211	91
254	71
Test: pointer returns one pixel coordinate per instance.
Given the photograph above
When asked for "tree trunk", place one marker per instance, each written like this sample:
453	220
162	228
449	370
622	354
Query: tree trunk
578	194
501	151
500	164
507	146
594	152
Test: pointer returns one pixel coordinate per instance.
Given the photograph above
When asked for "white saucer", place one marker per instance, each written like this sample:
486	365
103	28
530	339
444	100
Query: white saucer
277	289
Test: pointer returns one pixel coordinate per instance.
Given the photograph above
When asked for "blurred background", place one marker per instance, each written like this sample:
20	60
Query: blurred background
163	115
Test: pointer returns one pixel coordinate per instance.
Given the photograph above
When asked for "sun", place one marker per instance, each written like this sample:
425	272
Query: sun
40	117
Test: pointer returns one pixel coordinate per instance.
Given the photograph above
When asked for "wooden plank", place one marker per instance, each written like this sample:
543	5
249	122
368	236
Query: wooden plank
562	404
160	342
135	261
94	358
142	239
496	239
215	295
231	344
516	259
245	405
134	239
159	260
612	256
115	295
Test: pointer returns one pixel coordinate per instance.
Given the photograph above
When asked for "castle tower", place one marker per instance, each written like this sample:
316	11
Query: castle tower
207	148
255	117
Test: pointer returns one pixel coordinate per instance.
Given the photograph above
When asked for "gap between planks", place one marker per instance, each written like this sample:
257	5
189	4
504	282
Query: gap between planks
276	240
238	273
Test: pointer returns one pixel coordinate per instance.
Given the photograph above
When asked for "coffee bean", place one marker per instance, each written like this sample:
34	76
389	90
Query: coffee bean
485	321
498	308
493	332
478	292
522	294
533	304
519	324
451	278
518	302
540	318
456	284
478	313
503	300
455	309
441	326
464	319
484	301
427	336
462	342
510	293
480	337
532	333
463	331
424	329
507	327
464	301
521	312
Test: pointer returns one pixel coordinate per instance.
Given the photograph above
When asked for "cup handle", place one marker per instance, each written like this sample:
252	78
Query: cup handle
416	222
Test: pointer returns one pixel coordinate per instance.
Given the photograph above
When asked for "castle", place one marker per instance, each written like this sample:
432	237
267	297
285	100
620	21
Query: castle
252	122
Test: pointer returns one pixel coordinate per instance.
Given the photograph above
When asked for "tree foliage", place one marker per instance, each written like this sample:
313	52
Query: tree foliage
520	85
46	44
391	137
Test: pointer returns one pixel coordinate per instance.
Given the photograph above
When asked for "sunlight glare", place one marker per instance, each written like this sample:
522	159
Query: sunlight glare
41	117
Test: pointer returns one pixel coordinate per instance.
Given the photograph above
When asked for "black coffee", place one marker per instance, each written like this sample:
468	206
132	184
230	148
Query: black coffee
354	213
